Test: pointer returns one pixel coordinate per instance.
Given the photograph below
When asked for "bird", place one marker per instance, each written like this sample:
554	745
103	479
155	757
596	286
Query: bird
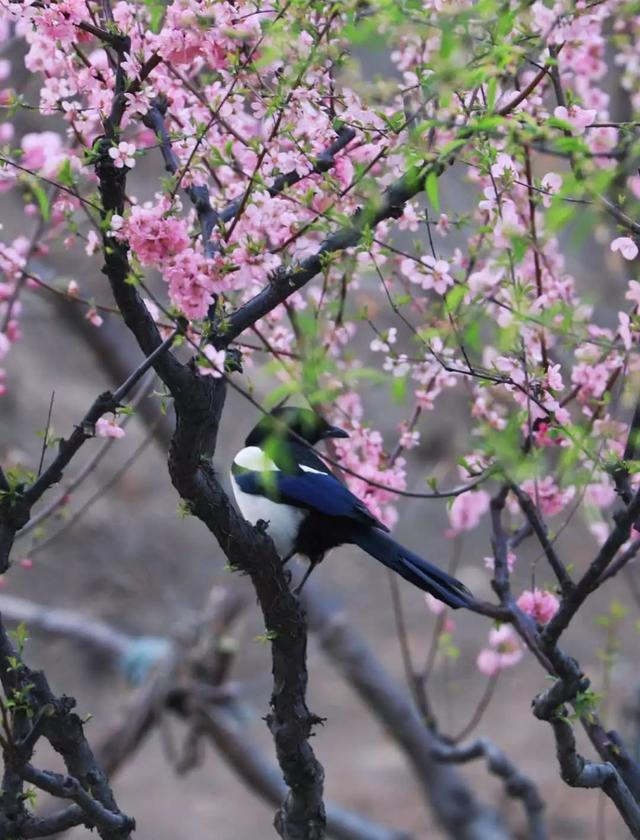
283	487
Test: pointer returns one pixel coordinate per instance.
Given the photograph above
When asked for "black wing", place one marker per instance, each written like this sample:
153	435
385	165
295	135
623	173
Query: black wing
318	491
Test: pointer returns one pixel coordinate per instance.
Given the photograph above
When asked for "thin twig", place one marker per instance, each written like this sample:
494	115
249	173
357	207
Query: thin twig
45	437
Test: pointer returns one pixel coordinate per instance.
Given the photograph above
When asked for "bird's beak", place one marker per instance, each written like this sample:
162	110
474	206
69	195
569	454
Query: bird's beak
335	432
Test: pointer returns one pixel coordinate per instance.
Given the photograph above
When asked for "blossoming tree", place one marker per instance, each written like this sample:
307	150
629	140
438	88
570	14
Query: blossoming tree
293	223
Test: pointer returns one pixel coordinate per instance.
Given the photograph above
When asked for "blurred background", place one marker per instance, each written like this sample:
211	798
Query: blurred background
132	559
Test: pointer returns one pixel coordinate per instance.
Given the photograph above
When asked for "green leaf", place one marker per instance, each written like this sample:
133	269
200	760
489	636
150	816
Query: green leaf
267	636
65	174
505	24
20	635
43	201
455	295
492	88
431	187
452	146
472	336
558	215
399	388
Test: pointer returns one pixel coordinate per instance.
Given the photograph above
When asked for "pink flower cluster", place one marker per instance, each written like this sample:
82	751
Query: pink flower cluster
108	427
539	604
160	239
488	306
467	510
504	651
154	233
365	455
546	494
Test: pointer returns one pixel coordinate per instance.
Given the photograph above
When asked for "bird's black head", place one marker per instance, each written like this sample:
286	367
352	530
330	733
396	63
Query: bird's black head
300	421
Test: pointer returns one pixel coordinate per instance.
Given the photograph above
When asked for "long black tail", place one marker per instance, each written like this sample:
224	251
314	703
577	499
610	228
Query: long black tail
421	573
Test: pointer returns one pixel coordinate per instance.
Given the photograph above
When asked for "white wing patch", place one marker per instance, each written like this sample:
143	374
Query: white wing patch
312	470
255	459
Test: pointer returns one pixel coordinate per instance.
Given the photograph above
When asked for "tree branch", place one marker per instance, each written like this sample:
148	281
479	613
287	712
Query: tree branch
452	801
209	217
516	783
575	770
285	282
167	689
590	580
535	520
53	824
109	824
54	719
199	401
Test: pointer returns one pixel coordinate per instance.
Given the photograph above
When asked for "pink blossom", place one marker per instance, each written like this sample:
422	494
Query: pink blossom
626	246
93	242
154	235
73	290
508	225
14	333
42	151
601	141
504	167
600	495
382	342
123	155
5	345
467	510
439	270
397	365
551	184
191	283
543	435
539	604
634	185
216	359
624	330
344	171
409	219
109	428
554	378
26	563
577	117
490	562
435	606
443	225
409	438
504	651
511	367
428	272
592	379
93	317
365	455
550	498
484	279
633	292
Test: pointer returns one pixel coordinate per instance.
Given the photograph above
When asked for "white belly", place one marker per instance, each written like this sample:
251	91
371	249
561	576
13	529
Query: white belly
284	520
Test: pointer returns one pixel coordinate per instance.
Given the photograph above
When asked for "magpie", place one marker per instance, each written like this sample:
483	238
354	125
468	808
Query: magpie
280	484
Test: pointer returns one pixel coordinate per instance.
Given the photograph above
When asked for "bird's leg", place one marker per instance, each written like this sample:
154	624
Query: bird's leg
286	559
313	562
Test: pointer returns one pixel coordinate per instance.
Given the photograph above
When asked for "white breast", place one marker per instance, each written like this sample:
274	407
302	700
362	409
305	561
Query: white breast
284	520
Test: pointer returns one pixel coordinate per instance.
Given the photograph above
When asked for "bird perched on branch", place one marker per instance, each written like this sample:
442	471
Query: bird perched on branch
280	482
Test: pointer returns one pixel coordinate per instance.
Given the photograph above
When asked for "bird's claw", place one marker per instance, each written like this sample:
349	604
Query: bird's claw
262	525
